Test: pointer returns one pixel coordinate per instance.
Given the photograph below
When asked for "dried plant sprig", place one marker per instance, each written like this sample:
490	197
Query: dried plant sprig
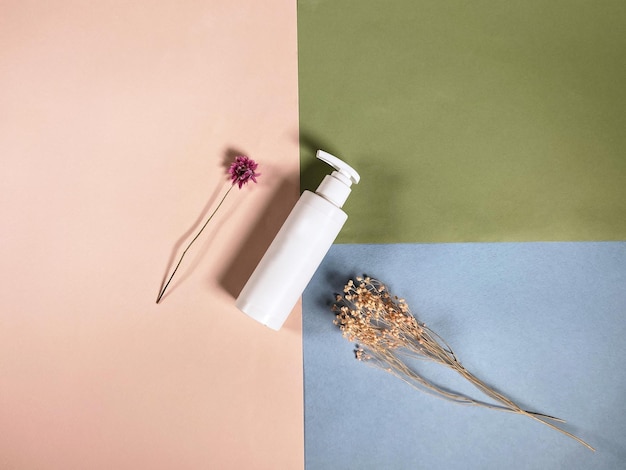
241	171
387	333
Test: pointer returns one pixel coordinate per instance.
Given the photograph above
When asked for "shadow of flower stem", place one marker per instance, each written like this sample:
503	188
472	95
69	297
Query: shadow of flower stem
189	246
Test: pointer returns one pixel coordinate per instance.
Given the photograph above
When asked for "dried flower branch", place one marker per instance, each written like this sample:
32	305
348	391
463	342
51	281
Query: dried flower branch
386	332
241	171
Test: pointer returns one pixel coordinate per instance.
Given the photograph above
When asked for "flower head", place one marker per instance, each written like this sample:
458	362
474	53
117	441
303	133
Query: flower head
242	170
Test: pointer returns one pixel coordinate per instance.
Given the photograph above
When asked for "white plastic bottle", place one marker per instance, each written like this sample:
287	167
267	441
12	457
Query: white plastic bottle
299	247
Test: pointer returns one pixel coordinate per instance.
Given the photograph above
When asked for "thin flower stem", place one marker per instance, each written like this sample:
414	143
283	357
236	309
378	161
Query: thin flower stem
191	243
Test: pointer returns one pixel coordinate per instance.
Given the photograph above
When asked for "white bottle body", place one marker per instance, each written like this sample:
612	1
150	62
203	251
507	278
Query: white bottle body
291	260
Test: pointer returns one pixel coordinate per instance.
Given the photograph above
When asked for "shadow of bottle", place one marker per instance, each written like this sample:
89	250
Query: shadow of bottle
239	269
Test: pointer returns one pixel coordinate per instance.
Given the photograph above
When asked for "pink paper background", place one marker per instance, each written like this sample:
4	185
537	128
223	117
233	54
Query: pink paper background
116	121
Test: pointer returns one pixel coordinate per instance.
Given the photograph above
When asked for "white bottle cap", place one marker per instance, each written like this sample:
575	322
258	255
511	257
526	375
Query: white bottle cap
336	186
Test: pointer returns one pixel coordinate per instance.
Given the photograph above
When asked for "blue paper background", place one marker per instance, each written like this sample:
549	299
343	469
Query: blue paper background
542	322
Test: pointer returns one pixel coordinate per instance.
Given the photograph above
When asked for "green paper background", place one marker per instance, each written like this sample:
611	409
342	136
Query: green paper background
469	120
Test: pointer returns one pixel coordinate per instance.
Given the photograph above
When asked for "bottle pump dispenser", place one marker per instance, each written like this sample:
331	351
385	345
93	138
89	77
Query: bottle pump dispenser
299	247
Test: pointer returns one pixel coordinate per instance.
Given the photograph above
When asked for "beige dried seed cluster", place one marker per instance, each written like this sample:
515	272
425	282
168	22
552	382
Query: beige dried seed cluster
375	319
386	332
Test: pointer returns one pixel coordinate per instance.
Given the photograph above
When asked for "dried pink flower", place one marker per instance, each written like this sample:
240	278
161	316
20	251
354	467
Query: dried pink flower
242	170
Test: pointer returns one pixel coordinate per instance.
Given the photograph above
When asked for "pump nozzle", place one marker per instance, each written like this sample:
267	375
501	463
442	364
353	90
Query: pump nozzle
342	167
335	187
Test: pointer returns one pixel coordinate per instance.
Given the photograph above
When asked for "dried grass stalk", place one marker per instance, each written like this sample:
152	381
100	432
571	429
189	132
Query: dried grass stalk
387	333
